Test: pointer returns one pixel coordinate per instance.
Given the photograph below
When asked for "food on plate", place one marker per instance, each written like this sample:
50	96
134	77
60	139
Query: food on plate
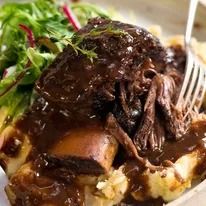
99	126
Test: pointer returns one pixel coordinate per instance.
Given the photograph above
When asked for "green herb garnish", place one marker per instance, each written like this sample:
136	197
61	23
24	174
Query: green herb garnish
78	39
109	30
90	54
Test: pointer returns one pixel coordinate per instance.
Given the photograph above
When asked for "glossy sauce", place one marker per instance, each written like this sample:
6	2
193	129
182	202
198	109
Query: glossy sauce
172	150
67	104
46	124
194	139
39	190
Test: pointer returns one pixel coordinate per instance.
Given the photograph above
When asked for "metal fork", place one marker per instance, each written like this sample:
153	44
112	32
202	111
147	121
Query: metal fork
194	85
3	182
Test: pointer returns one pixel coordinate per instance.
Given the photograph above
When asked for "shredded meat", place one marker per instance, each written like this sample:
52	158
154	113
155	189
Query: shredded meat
127	108
145	134
133	79
160	100
115	129
173	119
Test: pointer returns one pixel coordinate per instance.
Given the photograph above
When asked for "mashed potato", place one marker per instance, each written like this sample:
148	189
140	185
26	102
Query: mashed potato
111	189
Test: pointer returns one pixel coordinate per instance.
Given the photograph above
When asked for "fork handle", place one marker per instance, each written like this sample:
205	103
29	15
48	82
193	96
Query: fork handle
190	21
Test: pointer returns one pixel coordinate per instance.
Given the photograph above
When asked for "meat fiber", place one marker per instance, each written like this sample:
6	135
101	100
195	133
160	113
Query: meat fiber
129	77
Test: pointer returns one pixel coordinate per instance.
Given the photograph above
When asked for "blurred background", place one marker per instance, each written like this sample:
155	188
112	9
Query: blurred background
169	14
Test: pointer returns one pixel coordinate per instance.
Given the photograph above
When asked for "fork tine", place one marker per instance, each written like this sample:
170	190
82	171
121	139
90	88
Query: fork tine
202	96
188	70
194	74
196	91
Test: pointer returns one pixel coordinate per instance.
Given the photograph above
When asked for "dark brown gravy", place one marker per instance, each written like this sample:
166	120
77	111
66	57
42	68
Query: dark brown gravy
40	190
46	123
192	140
172	150
137	182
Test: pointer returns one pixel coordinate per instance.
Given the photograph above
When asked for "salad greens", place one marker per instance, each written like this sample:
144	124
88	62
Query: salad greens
31	35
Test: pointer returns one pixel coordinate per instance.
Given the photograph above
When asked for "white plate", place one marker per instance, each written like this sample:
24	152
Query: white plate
171	16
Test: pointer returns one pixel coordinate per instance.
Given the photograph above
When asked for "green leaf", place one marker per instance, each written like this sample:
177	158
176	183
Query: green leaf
35	57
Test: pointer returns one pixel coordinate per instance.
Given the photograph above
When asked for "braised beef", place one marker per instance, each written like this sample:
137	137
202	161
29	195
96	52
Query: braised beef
127	109
73	81
132	78
129	88
115	129
117	81
160	100
145	134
